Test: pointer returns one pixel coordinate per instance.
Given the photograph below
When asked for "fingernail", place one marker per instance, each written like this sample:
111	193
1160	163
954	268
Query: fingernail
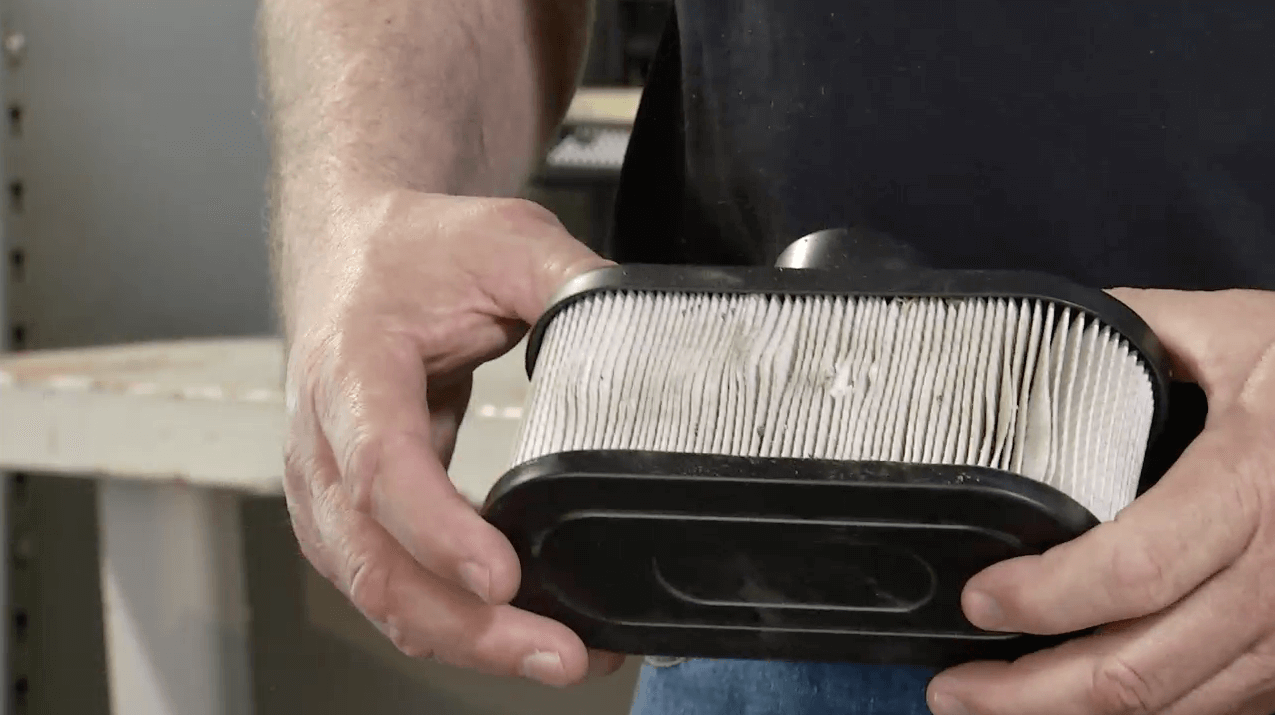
943	704
983	610
477	578
543	666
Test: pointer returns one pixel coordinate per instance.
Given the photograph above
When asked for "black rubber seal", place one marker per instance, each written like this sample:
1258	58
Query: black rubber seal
655	553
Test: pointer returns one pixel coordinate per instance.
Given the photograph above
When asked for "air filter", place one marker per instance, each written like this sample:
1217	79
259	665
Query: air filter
809	461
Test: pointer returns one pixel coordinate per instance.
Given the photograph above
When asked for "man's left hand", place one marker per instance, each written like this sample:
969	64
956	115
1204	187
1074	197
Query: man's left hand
1182	581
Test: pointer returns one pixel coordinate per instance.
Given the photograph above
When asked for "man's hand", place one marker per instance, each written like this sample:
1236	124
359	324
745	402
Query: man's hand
1183	580
386	328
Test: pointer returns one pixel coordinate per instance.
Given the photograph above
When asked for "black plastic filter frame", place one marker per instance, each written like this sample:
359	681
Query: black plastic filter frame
724	556
661	553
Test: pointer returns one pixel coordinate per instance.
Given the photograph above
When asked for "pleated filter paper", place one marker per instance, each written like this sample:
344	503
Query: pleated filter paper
1026	386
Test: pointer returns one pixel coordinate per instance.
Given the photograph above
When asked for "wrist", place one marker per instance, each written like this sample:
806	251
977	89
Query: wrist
318	228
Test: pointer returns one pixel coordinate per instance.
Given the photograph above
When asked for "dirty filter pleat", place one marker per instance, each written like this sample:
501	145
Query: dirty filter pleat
1024	386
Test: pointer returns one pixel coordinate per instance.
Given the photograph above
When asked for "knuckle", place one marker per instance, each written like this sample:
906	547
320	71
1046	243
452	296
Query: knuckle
357	417
1120	689
297	463
314	555
1258	668
299	453
454	634
404	642
370	581
360	464
301	523
312	552
1247	497
453	659
307	540
1140	576
518	212
304	441
304	364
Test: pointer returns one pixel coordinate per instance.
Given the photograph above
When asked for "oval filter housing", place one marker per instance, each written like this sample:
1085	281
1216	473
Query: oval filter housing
808	462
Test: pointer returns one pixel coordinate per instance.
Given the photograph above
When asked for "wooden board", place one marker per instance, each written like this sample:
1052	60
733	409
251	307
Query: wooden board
205	412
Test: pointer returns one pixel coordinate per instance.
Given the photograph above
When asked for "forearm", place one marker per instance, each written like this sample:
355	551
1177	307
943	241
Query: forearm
440	96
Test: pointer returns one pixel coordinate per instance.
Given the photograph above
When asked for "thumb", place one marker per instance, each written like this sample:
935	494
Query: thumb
1214	338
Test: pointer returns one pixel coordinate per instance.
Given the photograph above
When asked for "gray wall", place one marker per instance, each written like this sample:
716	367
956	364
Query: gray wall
139	161
142	163
134	201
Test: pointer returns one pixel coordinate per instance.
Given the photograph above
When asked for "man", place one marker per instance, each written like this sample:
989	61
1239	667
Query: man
1116	143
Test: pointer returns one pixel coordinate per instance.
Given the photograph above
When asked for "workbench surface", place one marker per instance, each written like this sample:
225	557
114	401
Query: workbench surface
207	412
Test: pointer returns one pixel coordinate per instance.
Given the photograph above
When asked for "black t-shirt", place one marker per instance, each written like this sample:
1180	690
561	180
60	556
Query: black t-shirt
1115	142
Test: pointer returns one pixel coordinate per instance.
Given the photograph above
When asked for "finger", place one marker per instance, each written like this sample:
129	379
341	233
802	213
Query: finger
302	469
603	663
426	615
1245	687
308	540
1181	532
375	420
1212	337
439	527
1264	705
447	402
993	688
297	499
1138	668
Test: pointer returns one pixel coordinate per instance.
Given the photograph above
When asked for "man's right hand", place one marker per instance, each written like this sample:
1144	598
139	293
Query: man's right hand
386	326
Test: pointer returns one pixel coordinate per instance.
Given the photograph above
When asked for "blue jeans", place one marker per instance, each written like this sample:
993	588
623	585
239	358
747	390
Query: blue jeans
753	687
